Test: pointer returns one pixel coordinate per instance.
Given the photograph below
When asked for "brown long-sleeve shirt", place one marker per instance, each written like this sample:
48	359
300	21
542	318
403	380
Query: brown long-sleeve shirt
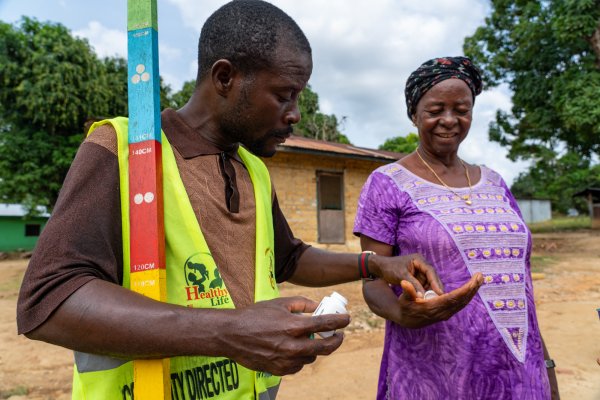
83	241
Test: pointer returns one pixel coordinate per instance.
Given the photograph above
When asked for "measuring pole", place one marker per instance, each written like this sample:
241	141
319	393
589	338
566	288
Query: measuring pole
146	213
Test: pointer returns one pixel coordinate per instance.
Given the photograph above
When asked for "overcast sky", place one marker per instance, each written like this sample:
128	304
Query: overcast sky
363	51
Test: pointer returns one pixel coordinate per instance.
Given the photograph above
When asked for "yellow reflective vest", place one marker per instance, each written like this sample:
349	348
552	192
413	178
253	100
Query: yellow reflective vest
193	280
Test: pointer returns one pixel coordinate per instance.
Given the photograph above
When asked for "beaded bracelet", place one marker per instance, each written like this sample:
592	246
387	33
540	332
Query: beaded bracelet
363	265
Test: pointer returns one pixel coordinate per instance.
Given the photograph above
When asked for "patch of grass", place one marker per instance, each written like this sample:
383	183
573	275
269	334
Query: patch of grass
17	391
557	224
538	263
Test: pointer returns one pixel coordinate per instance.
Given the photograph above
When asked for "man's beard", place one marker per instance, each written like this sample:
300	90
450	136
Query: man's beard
257	146
236	132
236	127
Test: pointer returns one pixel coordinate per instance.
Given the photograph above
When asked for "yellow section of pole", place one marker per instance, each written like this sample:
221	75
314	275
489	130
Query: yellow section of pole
146	386
152	380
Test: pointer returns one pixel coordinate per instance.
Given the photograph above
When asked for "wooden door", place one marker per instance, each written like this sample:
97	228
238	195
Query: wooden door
330	206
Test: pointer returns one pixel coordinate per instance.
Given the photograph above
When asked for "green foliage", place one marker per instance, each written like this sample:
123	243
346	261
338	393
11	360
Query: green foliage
180	98
401	144
557	180
34	174
543	51
166	96
116	85
314	124
548	53
51	83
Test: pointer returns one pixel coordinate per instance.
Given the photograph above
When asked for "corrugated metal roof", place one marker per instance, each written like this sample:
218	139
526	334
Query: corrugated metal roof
18	210
594	191
302	143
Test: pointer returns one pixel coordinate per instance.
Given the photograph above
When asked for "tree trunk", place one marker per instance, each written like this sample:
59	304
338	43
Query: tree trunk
595	42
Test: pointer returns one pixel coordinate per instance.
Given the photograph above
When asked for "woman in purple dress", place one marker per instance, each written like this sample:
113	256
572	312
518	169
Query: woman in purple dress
463	219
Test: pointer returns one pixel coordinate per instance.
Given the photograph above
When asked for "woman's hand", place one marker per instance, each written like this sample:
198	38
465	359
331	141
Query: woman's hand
414	274
412	268
411	311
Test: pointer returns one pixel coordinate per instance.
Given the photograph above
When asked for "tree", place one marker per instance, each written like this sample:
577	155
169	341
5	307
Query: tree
557	180
401	144
116	85
314	124
548	52
51	83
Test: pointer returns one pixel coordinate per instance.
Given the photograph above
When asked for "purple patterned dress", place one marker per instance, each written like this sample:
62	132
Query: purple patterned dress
491	349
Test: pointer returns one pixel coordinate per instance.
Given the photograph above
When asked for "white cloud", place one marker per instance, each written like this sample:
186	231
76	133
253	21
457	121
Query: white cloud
169	52
113	42
194	13
169	60
106	42
363	53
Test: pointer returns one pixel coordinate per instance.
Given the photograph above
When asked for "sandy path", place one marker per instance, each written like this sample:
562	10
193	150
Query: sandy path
37	368
567	299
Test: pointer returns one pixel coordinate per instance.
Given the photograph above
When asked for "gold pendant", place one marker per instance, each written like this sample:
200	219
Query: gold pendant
467	200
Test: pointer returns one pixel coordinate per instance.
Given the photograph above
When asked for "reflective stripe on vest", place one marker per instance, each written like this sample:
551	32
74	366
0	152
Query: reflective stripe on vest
193	280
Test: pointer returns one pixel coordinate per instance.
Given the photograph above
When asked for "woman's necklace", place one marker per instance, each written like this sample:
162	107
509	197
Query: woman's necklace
466	197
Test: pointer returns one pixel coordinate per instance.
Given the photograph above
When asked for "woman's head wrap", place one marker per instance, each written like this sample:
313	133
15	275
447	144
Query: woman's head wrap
432	72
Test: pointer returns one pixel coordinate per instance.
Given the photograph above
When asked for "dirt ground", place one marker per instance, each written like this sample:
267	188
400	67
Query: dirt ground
567	297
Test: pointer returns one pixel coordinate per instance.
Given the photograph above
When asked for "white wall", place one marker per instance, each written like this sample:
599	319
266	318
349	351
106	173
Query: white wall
535	210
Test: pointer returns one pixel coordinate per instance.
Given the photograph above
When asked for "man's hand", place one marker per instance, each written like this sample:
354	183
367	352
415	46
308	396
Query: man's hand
270	336
274	336
411	311
412	268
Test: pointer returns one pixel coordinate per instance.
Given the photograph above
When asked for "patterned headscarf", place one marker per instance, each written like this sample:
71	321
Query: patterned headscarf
432	72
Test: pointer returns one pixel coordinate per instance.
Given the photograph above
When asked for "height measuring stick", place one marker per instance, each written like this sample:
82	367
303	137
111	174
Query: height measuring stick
146	214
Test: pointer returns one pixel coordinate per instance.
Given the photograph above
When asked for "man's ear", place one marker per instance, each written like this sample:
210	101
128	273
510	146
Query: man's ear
223	74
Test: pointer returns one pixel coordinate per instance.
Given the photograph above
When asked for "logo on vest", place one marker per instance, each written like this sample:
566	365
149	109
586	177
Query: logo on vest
202	283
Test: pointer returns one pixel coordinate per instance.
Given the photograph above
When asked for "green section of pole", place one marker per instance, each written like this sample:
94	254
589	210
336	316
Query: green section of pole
141	14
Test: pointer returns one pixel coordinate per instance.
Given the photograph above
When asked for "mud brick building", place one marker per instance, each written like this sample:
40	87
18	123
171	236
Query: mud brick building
318	184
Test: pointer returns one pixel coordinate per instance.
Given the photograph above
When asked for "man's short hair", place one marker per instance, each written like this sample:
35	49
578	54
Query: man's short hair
247	33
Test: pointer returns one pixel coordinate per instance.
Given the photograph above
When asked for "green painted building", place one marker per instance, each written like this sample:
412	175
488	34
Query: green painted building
17	230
